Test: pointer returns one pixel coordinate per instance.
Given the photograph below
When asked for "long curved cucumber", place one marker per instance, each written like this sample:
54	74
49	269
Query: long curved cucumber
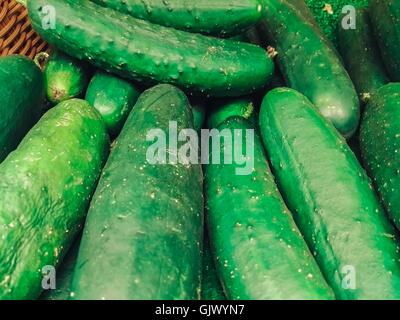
45	188
145	222
385	18
380	145
113	98
361	56
215	17
259	251
331	199
66	77
139	50
22	94
309	62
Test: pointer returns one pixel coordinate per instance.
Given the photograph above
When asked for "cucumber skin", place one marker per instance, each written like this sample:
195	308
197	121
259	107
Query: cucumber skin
113	98
42	206
385	18
330	196
361	56
379	132
136	225
309	62
152	53
65	77
22	95
214	17
257	246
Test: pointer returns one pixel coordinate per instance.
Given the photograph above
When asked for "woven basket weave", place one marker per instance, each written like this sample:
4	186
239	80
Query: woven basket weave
16	33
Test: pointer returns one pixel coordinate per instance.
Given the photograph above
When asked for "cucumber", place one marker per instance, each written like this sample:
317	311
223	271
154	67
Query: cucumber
331	199
66	77
379	135
22	95
215	17
259	251
211	288
113	98
309	62
237	107
45	187
385	18
139	50
361	56
145	222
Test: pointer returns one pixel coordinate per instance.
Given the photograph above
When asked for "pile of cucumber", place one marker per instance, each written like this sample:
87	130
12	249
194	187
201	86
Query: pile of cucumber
303	201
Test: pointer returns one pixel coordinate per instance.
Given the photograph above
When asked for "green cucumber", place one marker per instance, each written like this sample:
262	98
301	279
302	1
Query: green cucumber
113	98
66	77
259	251
380	145
385	18
361	56
145	222
45	188
22	95
139	50
309	62
237	107
331	199
215	17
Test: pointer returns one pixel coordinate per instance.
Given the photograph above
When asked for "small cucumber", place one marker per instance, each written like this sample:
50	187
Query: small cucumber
45	187
259	251
145	222
331	199
385	18
215	17
66	77
22	95
139	50
361	56
309	62
380	146
113	98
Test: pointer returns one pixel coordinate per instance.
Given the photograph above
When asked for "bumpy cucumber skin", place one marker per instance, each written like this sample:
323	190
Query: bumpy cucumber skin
238	107
46	185
385	18
142	51
361	56
214	17
331	198
113	98
65	76
259	251
145	222
309	62
22	95
380	145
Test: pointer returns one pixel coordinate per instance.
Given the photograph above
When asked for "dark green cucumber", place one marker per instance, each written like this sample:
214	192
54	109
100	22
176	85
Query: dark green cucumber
113	98
66	77
22	95
211	288
64	275
145	222
215	17
331	199
309	62
380	146
139	50
238	107
45	187
385	18
361	56
259	251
